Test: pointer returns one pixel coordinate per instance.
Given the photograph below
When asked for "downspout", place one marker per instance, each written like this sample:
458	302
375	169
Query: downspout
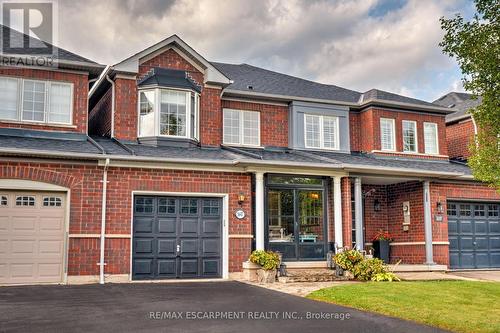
112	106
475	131
103	220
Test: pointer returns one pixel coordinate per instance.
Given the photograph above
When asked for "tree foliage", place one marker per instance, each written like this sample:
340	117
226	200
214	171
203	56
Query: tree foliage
475	44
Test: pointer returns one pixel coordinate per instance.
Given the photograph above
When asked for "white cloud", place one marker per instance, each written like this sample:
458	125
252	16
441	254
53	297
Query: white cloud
334	42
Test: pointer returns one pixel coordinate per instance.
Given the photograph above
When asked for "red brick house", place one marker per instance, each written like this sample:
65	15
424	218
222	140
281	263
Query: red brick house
179	167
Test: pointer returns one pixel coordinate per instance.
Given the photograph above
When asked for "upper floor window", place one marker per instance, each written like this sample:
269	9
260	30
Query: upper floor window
167	112
241	127
431	138
321	132
35	101
410	136
387	134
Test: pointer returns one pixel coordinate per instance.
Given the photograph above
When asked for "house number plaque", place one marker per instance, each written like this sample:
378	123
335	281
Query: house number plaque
240	214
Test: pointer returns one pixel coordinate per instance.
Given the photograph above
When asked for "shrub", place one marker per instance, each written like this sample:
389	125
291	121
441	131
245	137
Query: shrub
348	259
268	260
389	276
366	269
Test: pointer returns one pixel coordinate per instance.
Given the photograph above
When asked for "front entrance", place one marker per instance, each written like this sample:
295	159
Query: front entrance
296	217
176	237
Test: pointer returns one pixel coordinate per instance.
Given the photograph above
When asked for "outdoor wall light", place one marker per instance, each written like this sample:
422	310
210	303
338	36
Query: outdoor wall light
439	206
376	205
241	198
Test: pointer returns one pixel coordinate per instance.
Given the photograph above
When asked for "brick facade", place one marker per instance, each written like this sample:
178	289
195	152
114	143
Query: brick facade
80	92
459	136
366	135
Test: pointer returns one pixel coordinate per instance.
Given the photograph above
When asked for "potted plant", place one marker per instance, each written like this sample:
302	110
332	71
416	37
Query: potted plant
269	262
381	245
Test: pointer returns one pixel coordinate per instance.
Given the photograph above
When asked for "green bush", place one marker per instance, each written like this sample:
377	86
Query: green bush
348	259
268	260
366	269
389	276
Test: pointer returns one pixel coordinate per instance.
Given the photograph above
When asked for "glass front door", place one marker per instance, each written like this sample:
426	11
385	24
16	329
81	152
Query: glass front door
296	226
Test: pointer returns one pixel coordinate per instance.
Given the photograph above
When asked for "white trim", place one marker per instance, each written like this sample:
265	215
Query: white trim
393	121
241	128
240	236
417	243
407	153
337	211
415	129
435	125
225	222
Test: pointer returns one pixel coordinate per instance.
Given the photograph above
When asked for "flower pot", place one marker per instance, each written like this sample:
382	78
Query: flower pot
382	250
266	276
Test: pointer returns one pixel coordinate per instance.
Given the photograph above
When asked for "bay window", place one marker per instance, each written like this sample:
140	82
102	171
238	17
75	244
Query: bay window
387	134
410	136
168	112
431	138
35	101
241	127
321	132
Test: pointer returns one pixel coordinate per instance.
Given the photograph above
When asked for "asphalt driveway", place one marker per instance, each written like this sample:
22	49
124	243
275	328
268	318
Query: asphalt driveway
181	307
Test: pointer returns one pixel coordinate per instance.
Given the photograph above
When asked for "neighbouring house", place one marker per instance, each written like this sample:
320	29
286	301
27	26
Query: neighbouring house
177	167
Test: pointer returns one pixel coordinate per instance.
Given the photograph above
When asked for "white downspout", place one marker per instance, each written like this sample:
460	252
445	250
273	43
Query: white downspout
103	221
112	105
475	131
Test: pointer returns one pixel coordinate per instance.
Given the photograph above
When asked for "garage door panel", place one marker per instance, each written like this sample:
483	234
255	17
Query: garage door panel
192	225
143	245
494	227
453	242
24	224
4	247
23	247
495	243
22	271
482	243
454	259
466	243
51	223
4	223
481	227
467	260
51	270
50	247
167	225
167	246
465	227
143	224
167	267
452	226
482	260
495	259
189	226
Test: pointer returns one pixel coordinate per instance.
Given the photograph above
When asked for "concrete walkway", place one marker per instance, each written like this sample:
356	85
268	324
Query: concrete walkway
477	275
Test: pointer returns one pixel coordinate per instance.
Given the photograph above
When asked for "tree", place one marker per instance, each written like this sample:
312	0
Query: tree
475	44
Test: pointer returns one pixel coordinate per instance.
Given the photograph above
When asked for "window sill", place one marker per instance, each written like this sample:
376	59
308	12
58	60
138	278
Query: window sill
407	153
36	123
242	146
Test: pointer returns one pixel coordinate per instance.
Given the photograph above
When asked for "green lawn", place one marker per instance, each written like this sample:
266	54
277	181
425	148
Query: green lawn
460	306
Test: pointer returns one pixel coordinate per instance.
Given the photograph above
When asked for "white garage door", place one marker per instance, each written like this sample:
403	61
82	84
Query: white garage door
31	237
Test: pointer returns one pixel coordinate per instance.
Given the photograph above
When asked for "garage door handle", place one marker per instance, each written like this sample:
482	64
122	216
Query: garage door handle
178	249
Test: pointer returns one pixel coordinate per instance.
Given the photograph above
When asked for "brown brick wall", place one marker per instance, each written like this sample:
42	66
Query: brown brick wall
273	121
80	92
126	113
100	116
459	136
346	212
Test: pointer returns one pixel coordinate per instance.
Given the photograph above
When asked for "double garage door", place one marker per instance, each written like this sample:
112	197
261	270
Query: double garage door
176	237
31	237
474	234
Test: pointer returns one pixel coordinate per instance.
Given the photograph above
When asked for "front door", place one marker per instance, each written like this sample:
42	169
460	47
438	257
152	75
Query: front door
176	237
296	220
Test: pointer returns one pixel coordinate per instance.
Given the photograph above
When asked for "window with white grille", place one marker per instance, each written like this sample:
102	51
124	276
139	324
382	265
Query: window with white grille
241	127
431	138
410	136
387	134
321	132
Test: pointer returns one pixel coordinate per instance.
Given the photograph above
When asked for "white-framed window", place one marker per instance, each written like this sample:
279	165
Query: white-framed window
36	101
241	127
168	112
410	143
431	140
387	134
321	132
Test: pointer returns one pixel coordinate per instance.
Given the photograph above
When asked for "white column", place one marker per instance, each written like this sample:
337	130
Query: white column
337	211
429	257
259	211
358	217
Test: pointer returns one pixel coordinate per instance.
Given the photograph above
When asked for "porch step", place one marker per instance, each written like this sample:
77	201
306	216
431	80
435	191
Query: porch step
310	275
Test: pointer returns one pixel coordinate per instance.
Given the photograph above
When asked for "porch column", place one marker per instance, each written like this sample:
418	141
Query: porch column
358	217
337	211
259	211
429	257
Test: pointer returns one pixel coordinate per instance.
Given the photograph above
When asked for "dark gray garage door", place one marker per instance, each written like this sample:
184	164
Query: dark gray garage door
176	237
474	234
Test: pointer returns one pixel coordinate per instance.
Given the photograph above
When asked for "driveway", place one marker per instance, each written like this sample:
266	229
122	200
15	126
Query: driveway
180	307
478	275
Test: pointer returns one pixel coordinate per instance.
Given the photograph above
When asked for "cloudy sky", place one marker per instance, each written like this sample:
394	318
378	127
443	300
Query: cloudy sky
358	44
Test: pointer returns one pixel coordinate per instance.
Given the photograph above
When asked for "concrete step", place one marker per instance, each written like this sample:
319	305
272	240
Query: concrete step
310	275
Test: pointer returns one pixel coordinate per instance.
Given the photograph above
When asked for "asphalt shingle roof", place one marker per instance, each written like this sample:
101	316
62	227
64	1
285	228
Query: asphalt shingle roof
376	94
18	38
460	102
